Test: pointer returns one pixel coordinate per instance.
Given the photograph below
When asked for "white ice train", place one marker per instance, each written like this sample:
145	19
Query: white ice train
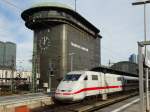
77	85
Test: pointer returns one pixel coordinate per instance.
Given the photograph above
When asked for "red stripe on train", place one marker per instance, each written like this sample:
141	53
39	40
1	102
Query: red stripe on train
91	89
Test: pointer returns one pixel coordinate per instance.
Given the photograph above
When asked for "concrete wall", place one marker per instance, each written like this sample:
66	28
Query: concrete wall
30	103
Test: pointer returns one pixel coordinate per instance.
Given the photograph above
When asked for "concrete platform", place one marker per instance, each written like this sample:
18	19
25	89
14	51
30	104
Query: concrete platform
32	100
129	105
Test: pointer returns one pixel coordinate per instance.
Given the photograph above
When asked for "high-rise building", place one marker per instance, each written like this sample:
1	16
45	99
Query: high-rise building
7	55
133	58
10	55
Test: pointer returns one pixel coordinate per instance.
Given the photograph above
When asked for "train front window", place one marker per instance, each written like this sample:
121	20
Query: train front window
72	77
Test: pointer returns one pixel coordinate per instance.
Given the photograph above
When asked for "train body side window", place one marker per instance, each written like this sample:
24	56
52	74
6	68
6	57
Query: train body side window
119	78
94	77
72	77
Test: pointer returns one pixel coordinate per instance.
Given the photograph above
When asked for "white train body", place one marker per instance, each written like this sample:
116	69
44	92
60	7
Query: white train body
77	85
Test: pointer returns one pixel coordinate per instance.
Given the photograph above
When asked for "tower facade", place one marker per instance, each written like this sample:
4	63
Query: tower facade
63	41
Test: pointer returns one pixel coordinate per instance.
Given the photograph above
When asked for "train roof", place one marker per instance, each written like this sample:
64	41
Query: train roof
80	72
110	70
76	72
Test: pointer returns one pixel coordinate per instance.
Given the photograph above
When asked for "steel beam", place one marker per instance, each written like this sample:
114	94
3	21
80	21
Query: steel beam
140	3
143	43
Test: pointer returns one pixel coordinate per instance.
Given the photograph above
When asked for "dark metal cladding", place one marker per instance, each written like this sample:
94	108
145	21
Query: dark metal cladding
60	32
113	71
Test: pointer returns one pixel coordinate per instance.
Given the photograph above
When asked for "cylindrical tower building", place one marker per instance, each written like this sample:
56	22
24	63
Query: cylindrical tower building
63	40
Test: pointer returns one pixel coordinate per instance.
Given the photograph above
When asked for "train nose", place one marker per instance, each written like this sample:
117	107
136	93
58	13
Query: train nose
64	95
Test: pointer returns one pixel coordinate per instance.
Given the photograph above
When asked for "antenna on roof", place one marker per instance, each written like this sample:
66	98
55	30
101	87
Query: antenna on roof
75	5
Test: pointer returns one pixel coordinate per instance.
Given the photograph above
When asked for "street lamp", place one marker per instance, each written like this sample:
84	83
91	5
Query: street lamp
71	60
146	70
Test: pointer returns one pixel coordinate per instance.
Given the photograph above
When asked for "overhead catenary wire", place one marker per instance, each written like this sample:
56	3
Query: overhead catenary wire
112	56
12	5
111	53
19	9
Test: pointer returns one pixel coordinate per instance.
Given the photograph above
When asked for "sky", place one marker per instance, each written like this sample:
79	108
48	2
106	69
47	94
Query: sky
120	24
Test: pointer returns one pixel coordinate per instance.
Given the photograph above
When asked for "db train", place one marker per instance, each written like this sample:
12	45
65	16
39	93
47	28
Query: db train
77	85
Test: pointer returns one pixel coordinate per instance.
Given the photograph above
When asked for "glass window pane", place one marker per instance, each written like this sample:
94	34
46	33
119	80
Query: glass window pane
94	77
72	77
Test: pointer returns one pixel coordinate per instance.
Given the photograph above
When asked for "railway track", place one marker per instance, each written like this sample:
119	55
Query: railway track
87	105
102	104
